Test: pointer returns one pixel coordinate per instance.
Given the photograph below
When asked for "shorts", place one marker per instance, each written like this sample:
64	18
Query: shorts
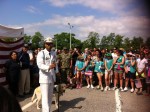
130	75
118	71
82	72
111	72
142	75
89	73
101	73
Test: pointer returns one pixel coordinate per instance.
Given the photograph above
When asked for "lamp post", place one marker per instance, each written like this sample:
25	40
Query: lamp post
70	26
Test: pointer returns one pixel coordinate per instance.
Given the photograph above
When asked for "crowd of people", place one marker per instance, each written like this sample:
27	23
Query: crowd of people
108	69
96	68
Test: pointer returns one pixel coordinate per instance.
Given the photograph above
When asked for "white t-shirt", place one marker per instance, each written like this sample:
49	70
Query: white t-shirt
30	52
141	64
114	55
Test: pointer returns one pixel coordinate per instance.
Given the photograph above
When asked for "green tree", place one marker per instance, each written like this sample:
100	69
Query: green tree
127	43
37	40
118	41
63	40
92	41
108	41
137	42
147	42
103	42
27	38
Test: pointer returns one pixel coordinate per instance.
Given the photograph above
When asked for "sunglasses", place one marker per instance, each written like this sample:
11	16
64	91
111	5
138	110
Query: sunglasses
49	44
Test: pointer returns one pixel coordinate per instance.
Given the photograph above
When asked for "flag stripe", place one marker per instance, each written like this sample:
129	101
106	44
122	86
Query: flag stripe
5	49
7	52
4	56
10	48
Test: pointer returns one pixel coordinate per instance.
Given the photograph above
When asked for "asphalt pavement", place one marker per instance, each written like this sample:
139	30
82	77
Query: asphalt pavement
93	100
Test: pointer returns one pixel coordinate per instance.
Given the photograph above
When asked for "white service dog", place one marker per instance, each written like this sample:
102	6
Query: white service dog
58	91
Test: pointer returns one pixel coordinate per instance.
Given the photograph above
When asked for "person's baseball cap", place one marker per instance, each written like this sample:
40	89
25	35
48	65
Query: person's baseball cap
122	49
26	45
114	48
130	54
109	54
48	40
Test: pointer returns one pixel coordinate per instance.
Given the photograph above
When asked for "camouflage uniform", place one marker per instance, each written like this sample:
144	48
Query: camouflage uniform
65	60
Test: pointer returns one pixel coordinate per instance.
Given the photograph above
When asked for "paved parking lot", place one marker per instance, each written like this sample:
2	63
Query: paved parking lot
92	100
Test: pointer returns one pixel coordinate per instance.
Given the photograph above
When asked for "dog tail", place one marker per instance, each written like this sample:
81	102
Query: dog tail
33	96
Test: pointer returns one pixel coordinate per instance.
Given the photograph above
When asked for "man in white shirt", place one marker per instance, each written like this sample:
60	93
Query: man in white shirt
46	61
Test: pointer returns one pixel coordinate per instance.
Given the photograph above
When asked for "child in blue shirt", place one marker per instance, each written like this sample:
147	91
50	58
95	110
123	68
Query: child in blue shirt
130	70
89	65
99	69
108	70
79	68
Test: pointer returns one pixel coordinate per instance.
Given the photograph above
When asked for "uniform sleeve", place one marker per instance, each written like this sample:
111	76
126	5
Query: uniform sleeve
40	62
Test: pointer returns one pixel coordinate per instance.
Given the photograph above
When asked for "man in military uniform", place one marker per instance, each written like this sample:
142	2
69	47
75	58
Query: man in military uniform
65	64
46	61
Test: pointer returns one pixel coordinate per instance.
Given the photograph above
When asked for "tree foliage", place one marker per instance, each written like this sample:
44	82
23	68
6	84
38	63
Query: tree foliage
63	40
127	43
92	41
36	40
118	41
147	42
136	43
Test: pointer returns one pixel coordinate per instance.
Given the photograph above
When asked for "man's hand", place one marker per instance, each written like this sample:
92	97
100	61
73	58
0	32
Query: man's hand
53	65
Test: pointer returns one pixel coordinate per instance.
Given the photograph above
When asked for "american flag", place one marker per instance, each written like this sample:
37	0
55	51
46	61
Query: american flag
5	49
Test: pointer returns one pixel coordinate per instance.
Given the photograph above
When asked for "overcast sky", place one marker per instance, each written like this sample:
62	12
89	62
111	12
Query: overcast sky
125	17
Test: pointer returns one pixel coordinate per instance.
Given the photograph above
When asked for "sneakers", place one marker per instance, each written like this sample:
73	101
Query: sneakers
92	86
106	88
88	86
114	88
102	88
125	89
98	87
132	90
121	89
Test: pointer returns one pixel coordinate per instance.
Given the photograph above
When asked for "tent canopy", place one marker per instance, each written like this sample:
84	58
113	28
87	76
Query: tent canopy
11	32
